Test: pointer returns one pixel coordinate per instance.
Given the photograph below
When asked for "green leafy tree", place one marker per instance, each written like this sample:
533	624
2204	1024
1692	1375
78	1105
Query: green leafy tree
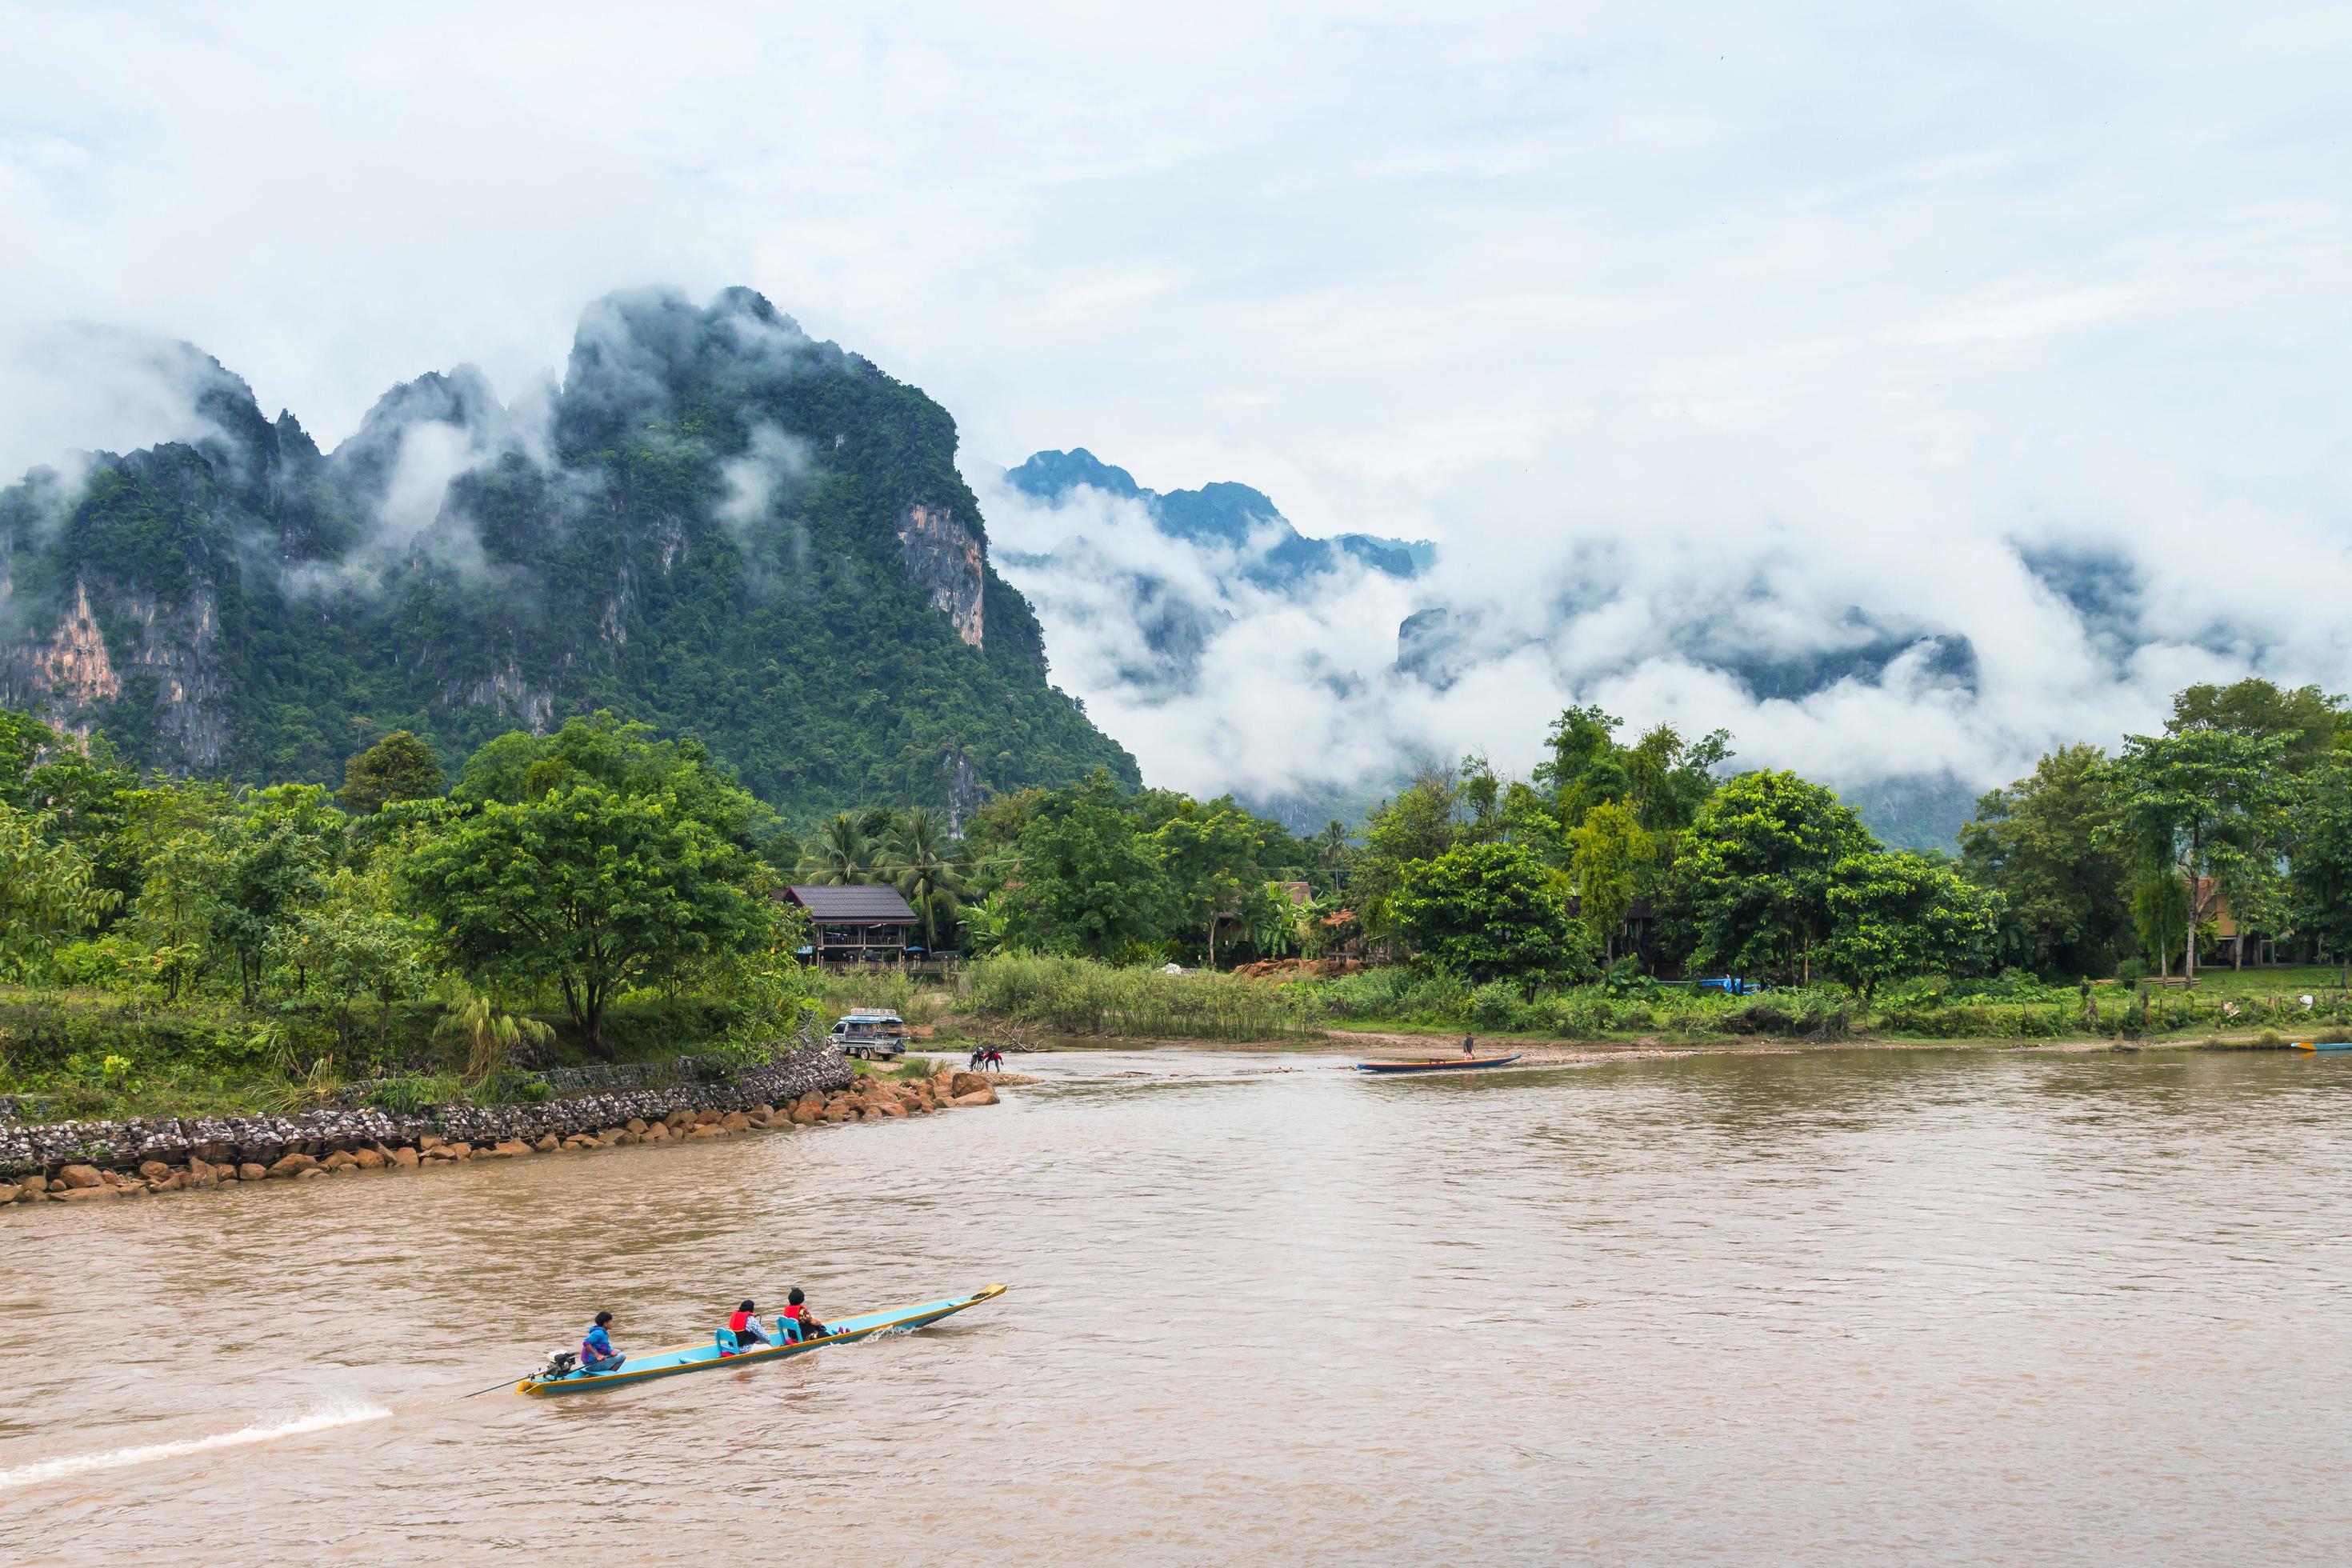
1334	856
1417	824
2321	880
1895	915
591	892
2207	803
840	856
1090	882
274	852
398	767
357	943
2158	907
1750	892
48	894
1209	856
2042	843
1488	911
921	864
492	1037
1610	857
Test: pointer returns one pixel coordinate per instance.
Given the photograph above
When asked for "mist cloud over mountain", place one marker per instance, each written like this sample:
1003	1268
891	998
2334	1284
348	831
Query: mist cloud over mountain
1901	391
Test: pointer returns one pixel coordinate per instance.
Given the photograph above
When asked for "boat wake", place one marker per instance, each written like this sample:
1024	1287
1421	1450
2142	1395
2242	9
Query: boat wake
146	1453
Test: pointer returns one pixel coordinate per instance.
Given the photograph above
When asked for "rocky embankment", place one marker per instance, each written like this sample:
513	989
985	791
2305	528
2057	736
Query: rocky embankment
74	1162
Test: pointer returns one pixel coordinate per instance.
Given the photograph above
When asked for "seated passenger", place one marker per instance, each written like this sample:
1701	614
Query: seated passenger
746	1328
596	1353
802	1319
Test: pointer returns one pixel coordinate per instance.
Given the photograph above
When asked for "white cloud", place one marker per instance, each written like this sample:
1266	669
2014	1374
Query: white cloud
1683	331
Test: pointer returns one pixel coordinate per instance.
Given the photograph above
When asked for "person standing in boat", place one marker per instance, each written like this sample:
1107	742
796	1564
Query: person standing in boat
596	1353
1469	1046
745	1327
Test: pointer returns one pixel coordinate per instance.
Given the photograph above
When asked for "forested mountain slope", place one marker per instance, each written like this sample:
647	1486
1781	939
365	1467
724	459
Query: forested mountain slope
715	524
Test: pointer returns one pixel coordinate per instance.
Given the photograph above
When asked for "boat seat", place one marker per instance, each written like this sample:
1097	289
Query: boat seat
787	1331
726	1345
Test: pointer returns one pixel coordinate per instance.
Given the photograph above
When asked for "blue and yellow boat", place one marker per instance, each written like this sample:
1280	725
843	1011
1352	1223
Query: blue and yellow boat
2321	1046
706	1357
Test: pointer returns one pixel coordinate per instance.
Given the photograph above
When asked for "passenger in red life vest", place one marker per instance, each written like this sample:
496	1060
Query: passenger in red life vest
746	1328
802	1317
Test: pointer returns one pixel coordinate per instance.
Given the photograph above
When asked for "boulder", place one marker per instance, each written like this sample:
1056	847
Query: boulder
840	1110
507	1149
340	1160
581	1141
403	1159
293	1165
250	1172
710	1130
964	1083
735	1121
170	1181
36	1183
657	1134
430	1141
763	1112
813	1102
75	1195
637	1124
871	1113
10	1193
613	1135
804	1113
369	1159
548	1143
705	1117
984	1095
154	1170
80	1177
438	1153
460	1150
891	1108
201	1173
678	1121
315	1173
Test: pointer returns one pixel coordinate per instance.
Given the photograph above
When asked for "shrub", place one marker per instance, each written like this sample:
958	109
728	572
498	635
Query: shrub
1496	1005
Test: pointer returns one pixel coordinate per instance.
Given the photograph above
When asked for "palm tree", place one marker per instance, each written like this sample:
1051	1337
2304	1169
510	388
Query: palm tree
840	856
1333	850
921	864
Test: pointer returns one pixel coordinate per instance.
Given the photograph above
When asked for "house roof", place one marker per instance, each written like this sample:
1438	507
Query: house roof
852	906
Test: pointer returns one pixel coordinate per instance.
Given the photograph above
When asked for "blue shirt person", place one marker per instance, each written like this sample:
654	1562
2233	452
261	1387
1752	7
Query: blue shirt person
596	1353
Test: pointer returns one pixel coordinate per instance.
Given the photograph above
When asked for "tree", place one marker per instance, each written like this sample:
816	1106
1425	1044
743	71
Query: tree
840	856
1210	856
2207	803
2321	880
357	943
2311	723
2039	843
1750	892
590	891
492	1036
46	894
1417	824
922	866
398	767
1335	855
1610	856
1488	911
1893	915
1089	881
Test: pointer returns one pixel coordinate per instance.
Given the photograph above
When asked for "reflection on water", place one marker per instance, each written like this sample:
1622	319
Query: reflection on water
1827	1307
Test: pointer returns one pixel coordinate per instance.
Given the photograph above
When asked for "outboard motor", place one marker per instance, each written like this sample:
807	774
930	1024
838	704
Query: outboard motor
560	1365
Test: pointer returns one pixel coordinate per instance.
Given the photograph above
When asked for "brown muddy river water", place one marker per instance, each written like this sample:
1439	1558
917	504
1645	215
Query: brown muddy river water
1859	1307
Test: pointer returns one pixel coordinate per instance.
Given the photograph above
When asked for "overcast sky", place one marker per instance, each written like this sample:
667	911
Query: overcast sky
1628	307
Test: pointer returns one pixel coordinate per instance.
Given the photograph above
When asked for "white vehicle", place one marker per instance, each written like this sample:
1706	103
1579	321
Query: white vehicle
871	1033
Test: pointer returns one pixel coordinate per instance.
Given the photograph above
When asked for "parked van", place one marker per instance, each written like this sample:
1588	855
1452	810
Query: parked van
874	1032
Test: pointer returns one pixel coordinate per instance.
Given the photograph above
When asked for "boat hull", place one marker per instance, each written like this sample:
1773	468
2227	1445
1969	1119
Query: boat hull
678	1359
1464	1064
2323	1045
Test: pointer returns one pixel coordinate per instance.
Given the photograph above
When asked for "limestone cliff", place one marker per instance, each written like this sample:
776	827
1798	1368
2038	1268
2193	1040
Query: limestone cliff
720	526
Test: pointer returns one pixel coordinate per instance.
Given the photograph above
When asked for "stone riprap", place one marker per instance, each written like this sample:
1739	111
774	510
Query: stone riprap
45	1149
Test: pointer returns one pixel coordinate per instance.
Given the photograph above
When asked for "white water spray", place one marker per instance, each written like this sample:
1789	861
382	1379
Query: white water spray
117	1459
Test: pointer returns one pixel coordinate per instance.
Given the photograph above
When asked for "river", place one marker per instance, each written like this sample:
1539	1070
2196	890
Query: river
1823	1308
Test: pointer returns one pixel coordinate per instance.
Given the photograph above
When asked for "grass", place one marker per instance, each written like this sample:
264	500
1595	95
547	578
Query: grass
1078	996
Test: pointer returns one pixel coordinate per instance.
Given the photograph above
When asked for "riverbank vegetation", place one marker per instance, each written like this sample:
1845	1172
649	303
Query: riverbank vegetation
593	895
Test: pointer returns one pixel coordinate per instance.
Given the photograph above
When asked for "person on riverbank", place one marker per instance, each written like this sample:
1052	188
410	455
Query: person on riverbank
796	1310
596	1353
745	1327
